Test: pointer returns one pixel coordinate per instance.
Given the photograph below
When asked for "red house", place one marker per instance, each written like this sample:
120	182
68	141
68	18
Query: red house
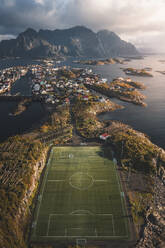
104	136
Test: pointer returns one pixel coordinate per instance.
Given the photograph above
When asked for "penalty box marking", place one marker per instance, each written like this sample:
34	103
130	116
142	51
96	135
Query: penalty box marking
81	214
58	180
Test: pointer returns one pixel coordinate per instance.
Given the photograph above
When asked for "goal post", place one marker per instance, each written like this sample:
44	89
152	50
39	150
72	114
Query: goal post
81	243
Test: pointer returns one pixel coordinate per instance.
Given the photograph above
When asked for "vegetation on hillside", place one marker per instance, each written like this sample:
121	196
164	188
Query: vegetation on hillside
140	161
85	115
120	90
18	157
133	148
58	128
87	124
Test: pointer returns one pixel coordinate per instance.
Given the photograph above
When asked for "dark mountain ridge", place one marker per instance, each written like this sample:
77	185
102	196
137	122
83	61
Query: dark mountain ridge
78	41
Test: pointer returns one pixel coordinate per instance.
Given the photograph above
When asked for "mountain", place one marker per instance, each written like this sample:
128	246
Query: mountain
113	45
78	41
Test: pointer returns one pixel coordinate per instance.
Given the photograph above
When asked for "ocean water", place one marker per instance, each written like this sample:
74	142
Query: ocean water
11	125
150	120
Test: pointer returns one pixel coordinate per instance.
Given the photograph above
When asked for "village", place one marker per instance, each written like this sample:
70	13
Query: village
9	75
62	85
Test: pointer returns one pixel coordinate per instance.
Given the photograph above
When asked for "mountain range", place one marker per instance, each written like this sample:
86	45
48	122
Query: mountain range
78	41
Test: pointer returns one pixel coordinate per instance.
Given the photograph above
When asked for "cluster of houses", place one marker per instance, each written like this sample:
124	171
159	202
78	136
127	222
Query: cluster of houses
119	86
9	76
54	89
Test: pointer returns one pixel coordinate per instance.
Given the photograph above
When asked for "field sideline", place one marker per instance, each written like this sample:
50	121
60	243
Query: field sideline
80	197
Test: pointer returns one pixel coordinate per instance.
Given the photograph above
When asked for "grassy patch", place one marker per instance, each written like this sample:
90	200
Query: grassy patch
80	197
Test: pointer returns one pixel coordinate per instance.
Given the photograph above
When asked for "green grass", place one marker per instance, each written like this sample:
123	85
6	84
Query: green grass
81	197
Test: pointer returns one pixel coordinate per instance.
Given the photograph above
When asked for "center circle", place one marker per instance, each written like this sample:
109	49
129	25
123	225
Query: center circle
81	181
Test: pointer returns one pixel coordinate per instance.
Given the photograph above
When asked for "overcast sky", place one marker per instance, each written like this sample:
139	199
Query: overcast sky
141	22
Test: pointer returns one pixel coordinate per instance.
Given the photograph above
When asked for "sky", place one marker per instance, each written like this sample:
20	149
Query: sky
141	22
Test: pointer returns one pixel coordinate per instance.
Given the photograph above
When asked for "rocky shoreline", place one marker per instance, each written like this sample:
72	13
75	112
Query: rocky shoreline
137	72
21	107
101	62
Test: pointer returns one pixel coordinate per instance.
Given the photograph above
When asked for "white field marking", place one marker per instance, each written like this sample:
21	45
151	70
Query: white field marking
96	232
76	228
104	214
56	180
42	189
76	212
65	232
80	180
68	236
119	186
47	233
73	186
101	180
82	228
113	225
49	220
55	214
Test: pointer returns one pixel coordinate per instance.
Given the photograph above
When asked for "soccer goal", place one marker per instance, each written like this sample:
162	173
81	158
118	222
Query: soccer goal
81	243
71	155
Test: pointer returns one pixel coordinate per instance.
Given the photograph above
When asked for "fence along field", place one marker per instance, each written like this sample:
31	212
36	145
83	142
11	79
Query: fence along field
80	197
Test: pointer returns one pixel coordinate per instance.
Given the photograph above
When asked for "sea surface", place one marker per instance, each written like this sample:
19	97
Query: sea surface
150	120
12	125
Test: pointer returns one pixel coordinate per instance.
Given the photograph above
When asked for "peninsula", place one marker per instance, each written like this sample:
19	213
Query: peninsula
137	72
69	141
123	89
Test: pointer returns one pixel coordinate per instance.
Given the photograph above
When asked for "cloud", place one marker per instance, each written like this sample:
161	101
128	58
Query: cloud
40	1
6	37
139	21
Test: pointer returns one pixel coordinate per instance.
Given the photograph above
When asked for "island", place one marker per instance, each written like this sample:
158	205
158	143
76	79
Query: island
162	60
101	61
161	72
137	72
129	58
21	106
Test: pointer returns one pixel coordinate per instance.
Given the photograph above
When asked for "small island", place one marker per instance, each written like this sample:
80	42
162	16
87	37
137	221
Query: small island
137	72
21	107
162	60
101	61
161	72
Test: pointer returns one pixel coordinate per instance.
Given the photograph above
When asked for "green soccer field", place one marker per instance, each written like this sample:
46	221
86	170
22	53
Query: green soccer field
80	197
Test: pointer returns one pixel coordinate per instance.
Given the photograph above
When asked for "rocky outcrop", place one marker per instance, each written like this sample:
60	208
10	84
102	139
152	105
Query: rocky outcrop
77	41
154	230
24	214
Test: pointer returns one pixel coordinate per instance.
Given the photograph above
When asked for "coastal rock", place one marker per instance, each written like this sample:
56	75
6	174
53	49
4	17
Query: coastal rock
154	232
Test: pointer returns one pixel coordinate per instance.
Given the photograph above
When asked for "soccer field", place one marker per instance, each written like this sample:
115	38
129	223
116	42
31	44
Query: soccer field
80	197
